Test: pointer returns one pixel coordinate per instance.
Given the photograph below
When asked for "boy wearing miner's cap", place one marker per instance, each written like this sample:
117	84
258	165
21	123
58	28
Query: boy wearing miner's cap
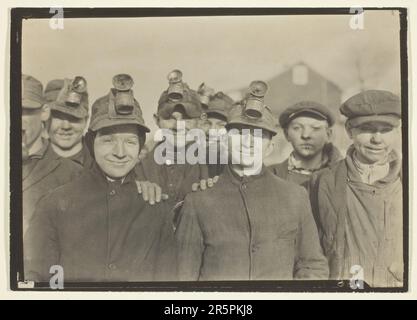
307	126
217	106
359	201
251	225
42	169
179	110
68	101
118	236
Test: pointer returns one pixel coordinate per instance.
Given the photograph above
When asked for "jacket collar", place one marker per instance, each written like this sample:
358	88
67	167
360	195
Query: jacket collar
239	180
330	156
333	153
97	172
394	162
296	165
83	157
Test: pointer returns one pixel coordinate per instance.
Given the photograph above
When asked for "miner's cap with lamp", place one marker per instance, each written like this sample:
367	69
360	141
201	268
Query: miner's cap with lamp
252	111
118	107
179	95
123	95
254	103
72	98
205	93
176	86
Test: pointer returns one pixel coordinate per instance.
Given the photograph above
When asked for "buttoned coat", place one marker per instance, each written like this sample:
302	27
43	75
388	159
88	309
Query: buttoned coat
250	228
99	230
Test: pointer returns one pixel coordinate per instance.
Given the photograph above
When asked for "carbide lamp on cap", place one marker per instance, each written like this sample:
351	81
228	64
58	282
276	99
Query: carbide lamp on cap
176	86
205	93
123	95
255	101
77	88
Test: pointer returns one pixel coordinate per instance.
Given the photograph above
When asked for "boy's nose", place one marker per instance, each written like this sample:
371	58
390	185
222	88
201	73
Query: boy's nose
118	150
305	133
376	137
66	124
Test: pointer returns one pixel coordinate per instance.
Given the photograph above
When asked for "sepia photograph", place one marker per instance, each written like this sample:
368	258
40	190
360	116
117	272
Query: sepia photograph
222	149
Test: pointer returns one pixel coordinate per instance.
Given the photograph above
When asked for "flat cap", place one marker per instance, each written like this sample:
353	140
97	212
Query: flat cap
308	109
32	93
372	105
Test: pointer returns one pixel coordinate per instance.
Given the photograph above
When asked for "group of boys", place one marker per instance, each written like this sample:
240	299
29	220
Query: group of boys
314	216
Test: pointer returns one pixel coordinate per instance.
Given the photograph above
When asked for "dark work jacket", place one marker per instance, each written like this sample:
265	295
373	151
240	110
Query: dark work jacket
250	228
41	174
215	169
99	231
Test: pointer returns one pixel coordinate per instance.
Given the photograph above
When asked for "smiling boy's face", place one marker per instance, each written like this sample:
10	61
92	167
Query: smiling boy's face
116	150
66	131
308	136
373	141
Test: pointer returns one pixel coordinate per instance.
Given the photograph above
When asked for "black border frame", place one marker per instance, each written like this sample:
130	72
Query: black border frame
16	245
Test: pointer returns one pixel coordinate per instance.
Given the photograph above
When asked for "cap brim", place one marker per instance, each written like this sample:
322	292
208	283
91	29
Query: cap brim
393	120
311	112
77	112
255	126
190	109
105	123
217	112
50	97
31	104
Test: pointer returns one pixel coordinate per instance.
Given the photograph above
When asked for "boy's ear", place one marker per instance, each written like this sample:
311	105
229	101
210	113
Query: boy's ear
45	113
285	130
270	148
89	141
348	128
330	133
156	119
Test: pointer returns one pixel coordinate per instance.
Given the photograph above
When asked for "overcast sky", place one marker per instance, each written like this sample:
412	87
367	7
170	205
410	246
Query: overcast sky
227	53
